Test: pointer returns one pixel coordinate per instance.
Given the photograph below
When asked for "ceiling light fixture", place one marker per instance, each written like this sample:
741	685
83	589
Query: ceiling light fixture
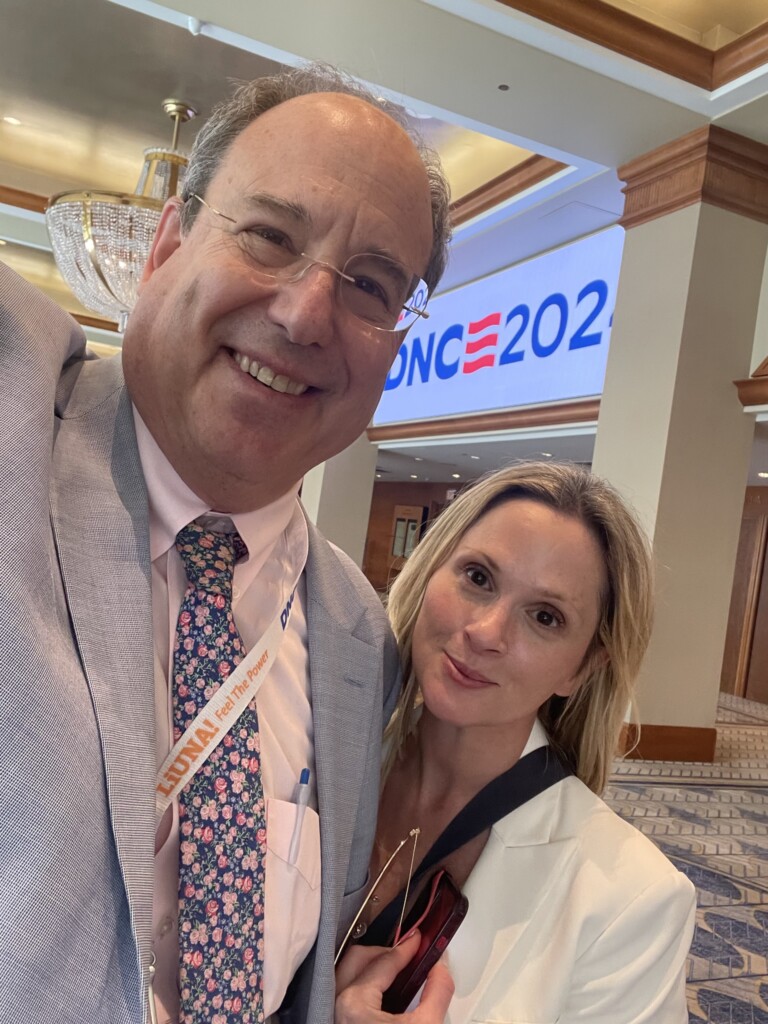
763	475
456	476
12	120
414	476
101	240
474	456
547	455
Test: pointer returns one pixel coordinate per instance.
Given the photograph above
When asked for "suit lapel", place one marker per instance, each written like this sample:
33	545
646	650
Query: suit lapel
346	705
100	523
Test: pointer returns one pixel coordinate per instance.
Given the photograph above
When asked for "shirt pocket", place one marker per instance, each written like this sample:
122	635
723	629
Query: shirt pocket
291	896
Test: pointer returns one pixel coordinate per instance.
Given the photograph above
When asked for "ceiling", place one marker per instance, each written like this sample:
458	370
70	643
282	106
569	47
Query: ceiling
86	80
455	462
486	84
470	457
81	90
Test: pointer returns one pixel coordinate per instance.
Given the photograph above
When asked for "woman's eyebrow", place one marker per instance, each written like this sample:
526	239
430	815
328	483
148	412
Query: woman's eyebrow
479	555
553	595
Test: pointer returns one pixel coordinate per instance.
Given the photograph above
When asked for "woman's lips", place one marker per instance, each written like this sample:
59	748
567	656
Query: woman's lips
465	676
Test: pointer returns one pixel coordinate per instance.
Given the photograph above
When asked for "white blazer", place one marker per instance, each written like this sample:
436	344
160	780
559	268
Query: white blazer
574	916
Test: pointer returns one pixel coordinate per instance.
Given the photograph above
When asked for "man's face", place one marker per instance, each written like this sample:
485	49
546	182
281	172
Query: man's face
332	177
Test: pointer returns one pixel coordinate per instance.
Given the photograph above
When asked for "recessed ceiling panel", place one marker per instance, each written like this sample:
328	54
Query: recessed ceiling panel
711	23
471	457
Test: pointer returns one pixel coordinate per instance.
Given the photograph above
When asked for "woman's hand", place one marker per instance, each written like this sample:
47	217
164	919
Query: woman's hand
366	972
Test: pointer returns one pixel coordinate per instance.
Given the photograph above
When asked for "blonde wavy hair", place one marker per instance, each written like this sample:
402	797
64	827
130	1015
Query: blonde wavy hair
584	728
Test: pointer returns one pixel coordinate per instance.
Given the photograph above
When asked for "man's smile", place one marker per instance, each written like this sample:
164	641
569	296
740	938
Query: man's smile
266	375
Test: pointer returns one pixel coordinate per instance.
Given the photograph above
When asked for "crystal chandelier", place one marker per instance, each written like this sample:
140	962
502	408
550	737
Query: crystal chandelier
101	240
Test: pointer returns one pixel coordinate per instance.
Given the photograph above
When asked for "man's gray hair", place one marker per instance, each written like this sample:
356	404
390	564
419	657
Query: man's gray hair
252	99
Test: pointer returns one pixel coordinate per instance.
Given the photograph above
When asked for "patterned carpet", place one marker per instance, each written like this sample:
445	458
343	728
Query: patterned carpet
712	821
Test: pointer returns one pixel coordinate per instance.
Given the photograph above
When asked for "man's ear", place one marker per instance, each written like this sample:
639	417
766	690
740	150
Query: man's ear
167	238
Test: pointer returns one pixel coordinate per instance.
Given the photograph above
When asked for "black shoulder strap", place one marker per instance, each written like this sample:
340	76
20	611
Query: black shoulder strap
527	778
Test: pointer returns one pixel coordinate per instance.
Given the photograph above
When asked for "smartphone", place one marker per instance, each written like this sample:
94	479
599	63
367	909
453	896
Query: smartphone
438	913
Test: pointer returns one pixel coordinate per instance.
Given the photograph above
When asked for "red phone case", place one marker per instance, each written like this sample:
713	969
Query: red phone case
441	923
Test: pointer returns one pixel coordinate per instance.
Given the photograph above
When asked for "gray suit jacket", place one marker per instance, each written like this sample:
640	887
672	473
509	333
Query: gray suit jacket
77	757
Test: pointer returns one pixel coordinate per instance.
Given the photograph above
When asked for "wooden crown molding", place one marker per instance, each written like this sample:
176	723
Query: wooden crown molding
626	34
752	391
519	178
24	200
744	54
762	370
98	322
584	411
709	165
649	44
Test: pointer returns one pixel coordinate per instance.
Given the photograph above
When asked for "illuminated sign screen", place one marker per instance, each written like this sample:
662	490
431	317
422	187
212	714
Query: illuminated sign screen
536	332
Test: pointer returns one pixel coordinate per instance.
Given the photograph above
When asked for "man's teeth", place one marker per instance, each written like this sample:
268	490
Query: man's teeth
278	382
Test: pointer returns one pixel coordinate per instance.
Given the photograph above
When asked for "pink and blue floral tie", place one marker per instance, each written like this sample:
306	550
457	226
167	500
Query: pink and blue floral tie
222	817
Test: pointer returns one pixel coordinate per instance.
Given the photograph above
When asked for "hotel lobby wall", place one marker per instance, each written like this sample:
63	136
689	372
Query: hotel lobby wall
379	565
745	663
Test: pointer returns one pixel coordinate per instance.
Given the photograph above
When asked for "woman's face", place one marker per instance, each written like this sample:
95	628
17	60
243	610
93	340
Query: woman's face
507	620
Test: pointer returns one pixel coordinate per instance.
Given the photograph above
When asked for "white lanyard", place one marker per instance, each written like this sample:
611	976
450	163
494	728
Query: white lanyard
214	721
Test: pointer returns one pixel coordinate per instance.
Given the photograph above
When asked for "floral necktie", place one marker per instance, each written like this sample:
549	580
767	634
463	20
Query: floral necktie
222	816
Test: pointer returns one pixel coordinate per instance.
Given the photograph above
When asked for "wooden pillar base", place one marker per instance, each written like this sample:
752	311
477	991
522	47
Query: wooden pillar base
669	743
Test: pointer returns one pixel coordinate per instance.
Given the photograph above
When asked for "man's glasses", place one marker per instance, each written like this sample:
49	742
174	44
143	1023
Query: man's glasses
375	289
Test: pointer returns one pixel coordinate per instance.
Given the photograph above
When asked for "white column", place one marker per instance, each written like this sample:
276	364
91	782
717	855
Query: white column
673	437
337	496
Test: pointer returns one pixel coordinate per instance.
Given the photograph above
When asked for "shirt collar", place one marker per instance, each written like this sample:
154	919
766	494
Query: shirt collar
538	738
172	505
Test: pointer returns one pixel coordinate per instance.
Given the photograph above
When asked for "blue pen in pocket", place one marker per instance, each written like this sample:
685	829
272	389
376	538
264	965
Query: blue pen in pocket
302	799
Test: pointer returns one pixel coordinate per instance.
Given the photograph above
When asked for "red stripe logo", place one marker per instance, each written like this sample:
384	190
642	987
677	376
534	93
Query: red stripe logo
489	340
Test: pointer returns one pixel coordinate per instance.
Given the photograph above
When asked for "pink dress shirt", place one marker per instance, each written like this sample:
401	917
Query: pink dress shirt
260	588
